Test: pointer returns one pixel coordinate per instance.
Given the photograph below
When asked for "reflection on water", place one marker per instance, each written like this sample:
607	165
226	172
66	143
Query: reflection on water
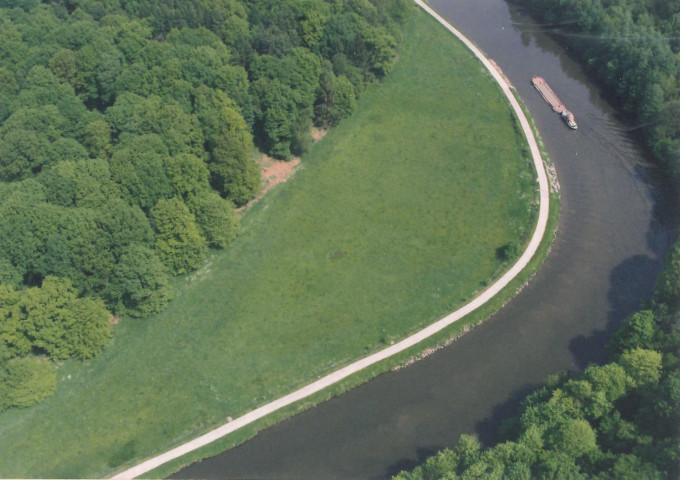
613	233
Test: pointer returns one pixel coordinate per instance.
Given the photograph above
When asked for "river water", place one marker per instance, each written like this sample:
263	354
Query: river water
613	234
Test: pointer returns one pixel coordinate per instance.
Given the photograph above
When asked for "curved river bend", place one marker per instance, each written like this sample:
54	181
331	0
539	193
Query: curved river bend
612	236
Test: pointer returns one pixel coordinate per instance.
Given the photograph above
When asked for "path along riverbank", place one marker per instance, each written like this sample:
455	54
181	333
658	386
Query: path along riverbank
412	340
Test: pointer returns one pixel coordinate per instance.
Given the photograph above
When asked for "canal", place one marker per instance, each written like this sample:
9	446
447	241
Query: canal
612	236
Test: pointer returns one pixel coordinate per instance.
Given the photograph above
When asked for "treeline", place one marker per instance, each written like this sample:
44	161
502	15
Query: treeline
618	421
127	136
632	48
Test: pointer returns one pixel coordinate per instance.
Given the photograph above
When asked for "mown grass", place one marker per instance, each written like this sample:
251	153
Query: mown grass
393	221
435	342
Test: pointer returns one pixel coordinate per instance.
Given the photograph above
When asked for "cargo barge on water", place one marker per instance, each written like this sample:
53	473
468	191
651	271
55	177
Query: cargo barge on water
549	96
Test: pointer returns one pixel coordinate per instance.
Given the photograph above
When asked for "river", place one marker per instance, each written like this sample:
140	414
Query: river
613	234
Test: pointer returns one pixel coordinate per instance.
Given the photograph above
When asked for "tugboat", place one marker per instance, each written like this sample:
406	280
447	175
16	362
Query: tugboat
569	118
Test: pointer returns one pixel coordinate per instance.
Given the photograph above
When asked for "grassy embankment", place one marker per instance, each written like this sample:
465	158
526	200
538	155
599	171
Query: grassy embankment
393	221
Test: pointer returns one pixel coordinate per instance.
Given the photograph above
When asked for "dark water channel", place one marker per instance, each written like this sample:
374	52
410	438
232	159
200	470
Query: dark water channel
612	236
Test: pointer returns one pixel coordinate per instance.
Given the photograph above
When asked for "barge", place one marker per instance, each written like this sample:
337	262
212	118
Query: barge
549	96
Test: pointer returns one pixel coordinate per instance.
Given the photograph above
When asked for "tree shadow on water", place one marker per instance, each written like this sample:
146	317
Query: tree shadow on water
408	464
631	284
488	431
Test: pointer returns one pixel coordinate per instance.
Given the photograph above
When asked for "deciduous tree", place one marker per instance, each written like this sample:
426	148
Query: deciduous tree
27	381
215	217
179	243
189	175
139	286
52	319
643	367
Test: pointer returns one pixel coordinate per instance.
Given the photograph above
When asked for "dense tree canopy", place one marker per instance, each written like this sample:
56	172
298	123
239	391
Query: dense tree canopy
140	282
53	320
25	382
127	137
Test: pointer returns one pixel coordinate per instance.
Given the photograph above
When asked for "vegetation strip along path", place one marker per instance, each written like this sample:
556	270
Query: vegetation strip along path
410	341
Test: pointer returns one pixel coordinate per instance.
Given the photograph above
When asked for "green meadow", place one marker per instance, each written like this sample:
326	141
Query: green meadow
394	220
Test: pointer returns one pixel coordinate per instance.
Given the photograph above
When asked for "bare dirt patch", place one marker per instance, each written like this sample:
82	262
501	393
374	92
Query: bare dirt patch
278	171
273	172
318	133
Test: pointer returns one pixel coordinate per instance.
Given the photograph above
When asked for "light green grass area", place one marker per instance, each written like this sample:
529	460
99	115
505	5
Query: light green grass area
393	221
443	338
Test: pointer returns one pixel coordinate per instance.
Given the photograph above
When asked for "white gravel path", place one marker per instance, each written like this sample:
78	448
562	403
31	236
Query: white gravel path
427	332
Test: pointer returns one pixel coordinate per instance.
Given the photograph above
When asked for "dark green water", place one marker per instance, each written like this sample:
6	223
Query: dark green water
613	233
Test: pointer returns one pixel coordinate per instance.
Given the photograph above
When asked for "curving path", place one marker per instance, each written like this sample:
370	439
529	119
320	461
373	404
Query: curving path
337	376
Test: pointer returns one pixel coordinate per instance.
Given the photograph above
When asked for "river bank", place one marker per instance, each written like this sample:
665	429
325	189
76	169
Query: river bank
603	264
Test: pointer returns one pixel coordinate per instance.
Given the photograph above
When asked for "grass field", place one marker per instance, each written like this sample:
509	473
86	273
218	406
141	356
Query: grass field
394	220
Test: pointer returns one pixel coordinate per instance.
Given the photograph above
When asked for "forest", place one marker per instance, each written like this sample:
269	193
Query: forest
128	132
620	420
